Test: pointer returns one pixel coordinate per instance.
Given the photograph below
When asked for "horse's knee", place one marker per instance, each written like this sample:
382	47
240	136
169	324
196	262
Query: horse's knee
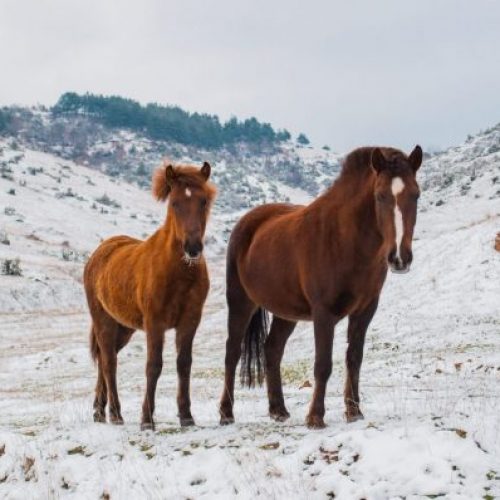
154	368
322	371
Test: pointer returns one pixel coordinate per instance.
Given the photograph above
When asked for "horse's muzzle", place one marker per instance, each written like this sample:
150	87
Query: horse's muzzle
193	250
401	269
398	264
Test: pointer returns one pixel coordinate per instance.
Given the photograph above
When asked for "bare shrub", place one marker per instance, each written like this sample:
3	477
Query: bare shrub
11	267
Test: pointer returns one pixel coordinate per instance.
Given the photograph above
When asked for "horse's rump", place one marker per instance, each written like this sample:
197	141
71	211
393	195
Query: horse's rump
110	279
265	254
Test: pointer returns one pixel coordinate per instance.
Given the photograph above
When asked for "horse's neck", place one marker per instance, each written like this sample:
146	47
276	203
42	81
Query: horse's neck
352	206
165	238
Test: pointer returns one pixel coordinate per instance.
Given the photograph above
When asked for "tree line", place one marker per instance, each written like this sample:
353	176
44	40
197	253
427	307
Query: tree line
159	122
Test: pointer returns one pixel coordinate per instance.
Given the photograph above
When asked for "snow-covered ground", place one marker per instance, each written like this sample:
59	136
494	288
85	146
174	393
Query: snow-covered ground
430	378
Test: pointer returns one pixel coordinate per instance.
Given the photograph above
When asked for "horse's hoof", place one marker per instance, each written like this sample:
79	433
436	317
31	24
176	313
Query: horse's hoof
226	420
353	417
99	418
116	420
315	422
279	416
186	422
147	426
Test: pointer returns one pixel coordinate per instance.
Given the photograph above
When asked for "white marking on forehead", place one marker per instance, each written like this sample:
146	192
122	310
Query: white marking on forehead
188	192
397	185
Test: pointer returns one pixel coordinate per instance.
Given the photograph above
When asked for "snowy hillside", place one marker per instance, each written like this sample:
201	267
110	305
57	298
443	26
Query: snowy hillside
429	383
247	173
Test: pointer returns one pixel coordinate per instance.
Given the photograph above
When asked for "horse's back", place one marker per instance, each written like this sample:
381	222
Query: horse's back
107	250
257	219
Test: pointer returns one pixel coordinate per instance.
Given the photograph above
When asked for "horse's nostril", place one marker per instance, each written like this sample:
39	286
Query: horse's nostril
392	256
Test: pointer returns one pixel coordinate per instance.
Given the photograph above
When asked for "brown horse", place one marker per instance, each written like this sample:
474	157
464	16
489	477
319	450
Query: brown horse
319	262
152	285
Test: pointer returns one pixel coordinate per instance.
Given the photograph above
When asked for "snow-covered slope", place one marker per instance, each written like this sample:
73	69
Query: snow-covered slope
430	377
247	173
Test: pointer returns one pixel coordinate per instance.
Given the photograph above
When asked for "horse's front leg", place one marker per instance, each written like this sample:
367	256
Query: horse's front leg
155	338
185	333
324	323
356	331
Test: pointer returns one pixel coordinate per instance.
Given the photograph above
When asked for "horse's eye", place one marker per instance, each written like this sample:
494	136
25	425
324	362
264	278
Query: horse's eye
203	203
416	196
175	205
381	197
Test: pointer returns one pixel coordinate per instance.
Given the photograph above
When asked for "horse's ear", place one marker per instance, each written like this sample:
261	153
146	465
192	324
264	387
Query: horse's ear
205	170
378	160
415	158
163	179
170	175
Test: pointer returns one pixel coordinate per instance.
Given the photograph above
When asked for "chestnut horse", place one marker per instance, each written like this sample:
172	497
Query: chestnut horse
320	262
152	285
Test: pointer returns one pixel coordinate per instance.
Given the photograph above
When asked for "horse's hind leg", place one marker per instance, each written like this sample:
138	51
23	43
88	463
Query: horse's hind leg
101	398
108	333
356	331
240	310
123	337
281	330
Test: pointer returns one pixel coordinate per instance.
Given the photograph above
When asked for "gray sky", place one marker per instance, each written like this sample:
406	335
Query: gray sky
345	73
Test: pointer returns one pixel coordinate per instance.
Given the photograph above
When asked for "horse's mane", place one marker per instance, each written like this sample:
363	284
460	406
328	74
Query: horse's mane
358	162
357	166
185	175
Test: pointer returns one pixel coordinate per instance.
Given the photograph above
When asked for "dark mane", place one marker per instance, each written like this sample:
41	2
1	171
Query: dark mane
358	162
357	170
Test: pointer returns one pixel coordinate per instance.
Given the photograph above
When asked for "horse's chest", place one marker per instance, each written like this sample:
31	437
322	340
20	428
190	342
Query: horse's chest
180	300
362	292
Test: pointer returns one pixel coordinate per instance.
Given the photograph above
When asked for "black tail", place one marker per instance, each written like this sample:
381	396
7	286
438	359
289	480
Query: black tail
252	349
94	347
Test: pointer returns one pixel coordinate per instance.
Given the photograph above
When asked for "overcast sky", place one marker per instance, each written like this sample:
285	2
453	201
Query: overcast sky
345	73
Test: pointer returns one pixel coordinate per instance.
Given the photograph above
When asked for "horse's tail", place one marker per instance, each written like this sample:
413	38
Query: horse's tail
252	349
94	347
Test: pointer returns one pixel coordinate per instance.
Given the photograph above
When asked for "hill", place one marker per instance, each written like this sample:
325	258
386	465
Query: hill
429	377
256	164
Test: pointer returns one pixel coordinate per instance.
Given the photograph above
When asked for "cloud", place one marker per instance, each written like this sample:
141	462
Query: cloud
387	72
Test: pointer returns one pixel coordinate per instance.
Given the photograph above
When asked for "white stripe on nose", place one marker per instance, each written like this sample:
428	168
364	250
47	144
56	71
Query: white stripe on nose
397	186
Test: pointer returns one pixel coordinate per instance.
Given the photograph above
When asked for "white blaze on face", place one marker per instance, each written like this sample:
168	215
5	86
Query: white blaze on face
398	186
188	192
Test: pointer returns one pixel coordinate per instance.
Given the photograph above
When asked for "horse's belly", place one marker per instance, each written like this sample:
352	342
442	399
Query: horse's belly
277	289
122	308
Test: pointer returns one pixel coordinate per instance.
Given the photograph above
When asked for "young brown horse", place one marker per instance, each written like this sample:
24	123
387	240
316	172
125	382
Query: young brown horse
319	262
153	285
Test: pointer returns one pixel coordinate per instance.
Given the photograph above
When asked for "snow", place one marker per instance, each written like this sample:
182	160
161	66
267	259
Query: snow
429	382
